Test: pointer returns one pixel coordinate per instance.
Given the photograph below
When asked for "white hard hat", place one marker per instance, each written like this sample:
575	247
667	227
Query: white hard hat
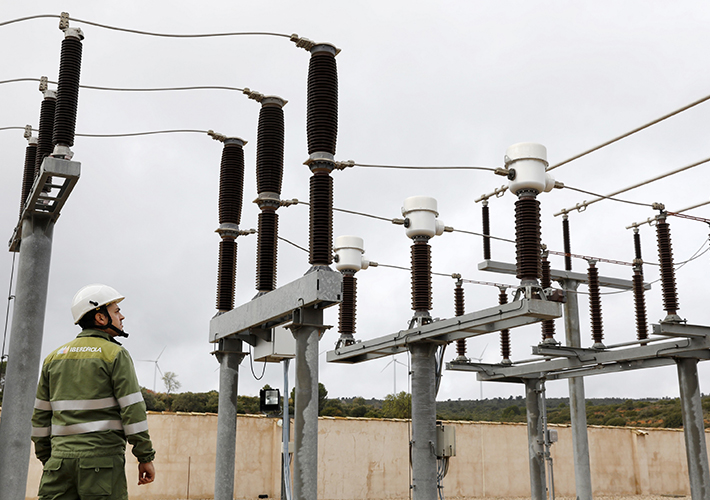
91	297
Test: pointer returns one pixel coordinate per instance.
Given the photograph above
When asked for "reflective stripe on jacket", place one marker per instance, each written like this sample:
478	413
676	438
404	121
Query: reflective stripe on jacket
89	402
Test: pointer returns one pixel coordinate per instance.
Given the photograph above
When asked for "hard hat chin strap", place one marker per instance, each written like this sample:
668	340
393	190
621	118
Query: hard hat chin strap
119	333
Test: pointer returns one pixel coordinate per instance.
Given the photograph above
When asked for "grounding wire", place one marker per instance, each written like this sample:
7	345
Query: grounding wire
627	134
293	244
10	296
251	365
139	32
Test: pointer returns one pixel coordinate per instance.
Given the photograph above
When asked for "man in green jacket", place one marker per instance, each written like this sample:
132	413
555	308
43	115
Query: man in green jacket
88	404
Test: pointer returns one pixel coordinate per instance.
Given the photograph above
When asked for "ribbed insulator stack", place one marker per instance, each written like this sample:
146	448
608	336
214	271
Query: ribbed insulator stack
322	129
595	305
231	188
349	259
665	257
46	127
67	92
459	307
548	325
527	163
566	240
269	173
486	231
639	297
527	237
505	333
29	171
348	308
421	274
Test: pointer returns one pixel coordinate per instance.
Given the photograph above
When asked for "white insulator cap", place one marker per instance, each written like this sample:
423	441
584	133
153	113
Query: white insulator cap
349	250
421	212
527	162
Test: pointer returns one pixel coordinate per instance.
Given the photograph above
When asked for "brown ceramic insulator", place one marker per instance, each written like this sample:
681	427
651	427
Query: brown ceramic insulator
322	110
640	305
595	305
568	247
270	149
548	325
348	306
527	238
266	251
231	184
227	269
460	310
321	219
486	233
67	92
28	174
637	245
505	333
44	136
421	276
665	257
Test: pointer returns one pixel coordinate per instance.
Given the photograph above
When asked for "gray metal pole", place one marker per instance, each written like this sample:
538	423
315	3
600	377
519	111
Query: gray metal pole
230	355
305	419
577	403
423	420
693	428
285	439
24	356
535	445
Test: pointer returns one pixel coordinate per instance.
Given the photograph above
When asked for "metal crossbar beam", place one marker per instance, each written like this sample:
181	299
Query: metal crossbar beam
320	288
564	362
493	319
64	175
557	275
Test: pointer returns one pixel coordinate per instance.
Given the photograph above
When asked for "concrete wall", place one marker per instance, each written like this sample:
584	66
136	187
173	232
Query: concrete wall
368	459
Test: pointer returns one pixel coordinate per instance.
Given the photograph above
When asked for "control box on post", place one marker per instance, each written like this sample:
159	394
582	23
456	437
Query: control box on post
445	440
281	346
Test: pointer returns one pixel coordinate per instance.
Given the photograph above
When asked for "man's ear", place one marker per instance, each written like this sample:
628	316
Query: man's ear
100	319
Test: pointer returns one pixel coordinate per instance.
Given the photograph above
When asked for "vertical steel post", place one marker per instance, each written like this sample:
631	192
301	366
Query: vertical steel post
536	450
285	440
305	419
423	420
577	403
230	355
693	428
24	355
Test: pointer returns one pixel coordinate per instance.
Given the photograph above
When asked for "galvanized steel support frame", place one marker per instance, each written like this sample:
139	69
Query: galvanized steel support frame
33	239
424	484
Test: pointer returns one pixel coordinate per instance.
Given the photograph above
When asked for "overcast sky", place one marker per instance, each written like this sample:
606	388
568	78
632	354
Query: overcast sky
430	83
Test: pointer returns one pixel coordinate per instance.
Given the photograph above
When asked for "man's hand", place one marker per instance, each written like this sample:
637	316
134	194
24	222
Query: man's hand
146	473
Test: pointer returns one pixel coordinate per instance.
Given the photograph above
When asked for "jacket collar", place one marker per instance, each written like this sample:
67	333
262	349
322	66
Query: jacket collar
90	332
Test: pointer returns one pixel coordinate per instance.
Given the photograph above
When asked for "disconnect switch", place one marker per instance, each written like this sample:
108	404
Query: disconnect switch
445	441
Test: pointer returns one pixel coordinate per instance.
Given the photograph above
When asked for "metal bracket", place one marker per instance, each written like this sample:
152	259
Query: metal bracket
64	175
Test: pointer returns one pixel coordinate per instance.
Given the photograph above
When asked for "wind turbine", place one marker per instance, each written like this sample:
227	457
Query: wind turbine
157	368
394	371
480	360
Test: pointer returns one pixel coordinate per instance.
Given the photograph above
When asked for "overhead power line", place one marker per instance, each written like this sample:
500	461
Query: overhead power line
585	204
124	89
150	33
627	134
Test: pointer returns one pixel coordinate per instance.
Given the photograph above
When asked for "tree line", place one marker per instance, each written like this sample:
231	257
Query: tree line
663	412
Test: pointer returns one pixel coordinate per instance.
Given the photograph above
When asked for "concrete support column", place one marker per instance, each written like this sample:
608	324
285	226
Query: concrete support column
536	449
423	420
24	356
577	402
305	419
229	357
693	428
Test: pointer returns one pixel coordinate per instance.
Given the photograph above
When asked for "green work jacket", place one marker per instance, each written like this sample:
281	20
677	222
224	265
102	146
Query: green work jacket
89	402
